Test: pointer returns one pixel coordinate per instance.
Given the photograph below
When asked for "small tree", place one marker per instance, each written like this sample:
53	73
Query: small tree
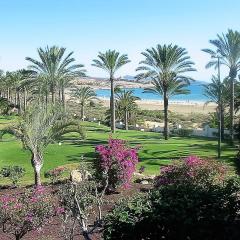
126	104
84	95
82	204
39	127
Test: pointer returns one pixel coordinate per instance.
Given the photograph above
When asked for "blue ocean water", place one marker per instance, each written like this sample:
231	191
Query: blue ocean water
196	94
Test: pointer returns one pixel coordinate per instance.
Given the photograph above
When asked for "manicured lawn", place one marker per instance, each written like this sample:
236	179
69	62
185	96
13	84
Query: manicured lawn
154	152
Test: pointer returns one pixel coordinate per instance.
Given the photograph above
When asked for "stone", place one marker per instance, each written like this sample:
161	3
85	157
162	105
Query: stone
78	176
144	182
138	175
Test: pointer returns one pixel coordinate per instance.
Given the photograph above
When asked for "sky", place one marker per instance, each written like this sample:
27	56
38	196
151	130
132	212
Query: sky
129	26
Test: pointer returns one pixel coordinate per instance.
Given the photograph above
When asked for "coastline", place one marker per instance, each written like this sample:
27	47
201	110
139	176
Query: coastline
183	107
178	106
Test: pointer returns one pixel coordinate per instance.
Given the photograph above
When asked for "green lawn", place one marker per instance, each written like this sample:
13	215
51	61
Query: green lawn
154	152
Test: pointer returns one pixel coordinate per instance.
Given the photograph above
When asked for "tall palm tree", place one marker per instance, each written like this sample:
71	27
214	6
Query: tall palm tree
84	95
126	104
165	65
228	47
111	61
57	69
218	92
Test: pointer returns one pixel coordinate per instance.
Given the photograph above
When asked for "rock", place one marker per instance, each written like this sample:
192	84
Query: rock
144	182
150	177
78	176
138	175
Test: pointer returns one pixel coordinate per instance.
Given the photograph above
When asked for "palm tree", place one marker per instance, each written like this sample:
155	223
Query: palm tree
57	69
111	61
165	65
218	93
38	128
126	104
84	95
228	47
19	82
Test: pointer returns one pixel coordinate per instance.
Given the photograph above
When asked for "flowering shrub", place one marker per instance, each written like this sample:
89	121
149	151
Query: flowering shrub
14	173
194	199
116	162
192	170
27	211
55	174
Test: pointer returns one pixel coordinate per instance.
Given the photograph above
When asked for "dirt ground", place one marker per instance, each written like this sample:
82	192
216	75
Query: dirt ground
53	230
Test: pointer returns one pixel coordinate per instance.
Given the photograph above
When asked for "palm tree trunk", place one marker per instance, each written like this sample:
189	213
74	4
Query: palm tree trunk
24	99
126	120
53	97
82	112
37	162
63	99
46	99
165	100
8	94
232	110
18	102
112	106
59	96
222	122
15	98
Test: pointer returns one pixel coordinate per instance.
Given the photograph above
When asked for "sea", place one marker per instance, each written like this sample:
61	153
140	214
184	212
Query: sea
196	94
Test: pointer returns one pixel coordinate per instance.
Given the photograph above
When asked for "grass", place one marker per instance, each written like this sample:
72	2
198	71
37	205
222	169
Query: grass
155	152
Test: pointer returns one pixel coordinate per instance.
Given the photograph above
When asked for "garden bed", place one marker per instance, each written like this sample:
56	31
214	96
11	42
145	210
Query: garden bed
52	231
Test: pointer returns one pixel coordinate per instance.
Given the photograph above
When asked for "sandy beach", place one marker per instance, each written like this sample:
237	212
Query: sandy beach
183	107
174	106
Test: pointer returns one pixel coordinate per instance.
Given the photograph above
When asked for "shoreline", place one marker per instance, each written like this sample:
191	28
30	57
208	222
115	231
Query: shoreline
183	107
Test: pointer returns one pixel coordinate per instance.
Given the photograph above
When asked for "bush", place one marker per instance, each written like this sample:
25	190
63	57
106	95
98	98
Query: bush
21	213
14	173
55	174
116	162
127	215
189	202
192	171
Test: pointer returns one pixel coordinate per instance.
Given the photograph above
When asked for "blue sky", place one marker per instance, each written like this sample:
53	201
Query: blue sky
129	26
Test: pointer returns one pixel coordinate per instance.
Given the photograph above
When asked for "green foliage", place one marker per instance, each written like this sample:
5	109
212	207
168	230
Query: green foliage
84	95
4	105
127	213
110	61
14	173
176	210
